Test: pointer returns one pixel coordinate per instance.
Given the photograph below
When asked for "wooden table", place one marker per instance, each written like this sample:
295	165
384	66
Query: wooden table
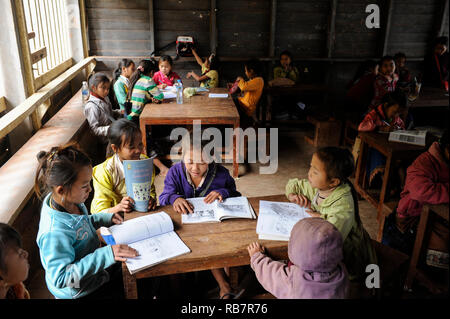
295	90
209	111
430	97
430	108
422	229
213	245
393	151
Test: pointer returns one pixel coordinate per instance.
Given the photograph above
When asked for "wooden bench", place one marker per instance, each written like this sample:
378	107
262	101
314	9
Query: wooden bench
327	131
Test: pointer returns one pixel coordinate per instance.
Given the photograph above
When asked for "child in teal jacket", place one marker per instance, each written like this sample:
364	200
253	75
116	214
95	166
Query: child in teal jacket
75	265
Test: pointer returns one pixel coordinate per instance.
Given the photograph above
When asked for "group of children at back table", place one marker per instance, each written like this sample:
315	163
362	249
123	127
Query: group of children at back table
78	266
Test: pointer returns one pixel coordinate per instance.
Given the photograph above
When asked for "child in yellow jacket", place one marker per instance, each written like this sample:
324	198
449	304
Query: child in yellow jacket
110	193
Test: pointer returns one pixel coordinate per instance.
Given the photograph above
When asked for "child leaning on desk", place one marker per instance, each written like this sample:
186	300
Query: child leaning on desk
328	194
198	176
315	269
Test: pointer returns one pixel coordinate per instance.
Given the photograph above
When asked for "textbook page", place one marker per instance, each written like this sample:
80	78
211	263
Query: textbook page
203	213
276	219
155	250
235	207
141	228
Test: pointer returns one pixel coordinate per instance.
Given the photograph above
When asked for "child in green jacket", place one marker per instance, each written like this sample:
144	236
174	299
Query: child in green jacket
327	193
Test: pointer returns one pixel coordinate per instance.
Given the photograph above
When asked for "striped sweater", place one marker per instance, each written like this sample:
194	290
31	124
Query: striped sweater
144	89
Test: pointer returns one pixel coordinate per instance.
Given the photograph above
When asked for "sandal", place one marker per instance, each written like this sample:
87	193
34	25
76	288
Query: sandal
233	295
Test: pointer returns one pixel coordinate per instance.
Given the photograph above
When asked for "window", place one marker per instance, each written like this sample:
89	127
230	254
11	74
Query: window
48	38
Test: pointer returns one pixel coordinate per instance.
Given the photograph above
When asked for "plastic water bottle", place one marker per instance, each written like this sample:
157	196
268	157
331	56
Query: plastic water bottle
85	92
179	87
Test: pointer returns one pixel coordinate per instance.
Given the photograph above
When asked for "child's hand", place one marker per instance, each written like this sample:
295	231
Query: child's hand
239	78
162	86
182	206
125	205
254	248
312	213
299	199
117	219
122	252
385	129
151	204
211	197
155	101
188	75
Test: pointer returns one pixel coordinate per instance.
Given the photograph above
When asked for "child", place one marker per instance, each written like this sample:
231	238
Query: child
14	264
427	182
143	89
165	76
404	76
386	80
122	76
315	270
75	265
252	90
286	69
436	65
194	177
327	193
360	89
98	109
110	193
210	67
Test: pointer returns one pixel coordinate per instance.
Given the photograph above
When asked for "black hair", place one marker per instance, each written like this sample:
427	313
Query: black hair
254	65
9	238
287	53
396	97
441	40
166	58
399	55
95	78
339	163
444	140
145	67
214	63
124	63
59	167
386	58
122	128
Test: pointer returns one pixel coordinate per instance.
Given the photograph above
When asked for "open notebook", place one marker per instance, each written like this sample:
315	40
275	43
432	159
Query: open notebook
232	207
276	219
153	236
409	137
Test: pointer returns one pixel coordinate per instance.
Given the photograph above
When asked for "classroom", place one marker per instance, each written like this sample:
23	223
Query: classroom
224	149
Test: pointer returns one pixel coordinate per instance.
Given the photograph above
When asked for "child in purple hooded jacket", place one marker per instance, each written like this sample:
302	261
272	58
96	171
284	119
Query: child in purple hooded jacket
198	176
315	270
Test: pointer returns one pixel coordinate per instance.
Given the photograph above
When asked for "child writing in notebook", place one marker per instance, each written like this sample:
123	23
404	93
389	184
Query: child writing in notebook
110	193
165	76
98	109
122	76
384	118
210	76
14	264
143	89
315	270
198	176
327	193
75	265
386	80
252	90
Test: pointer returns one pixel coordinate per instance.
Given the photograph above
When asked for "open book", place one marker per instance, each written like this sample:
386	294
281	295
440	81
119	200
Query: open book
138	180
232	207
276	219
408	136
169	92
154	238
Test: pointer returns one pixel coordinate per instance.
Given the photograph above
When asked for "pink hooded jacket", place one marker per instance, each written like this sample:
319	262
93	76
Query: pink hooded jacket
427	182
317	272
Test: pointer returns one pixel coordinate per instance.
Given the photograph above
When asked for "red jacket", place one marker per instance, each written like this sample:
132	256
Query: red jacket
376	118
427	182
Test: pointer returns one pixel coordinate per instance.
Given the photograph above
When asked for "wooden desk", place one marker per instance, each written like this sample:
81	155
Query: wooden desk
213	245
430	108
295	90
440	210
393	151
430	97
198	107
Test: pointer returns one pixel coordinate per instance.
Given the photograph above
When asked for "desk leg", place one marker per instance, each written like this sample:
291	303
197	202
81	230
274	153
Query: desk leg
384	188
236	141
360	167
129	283
144	135
421	229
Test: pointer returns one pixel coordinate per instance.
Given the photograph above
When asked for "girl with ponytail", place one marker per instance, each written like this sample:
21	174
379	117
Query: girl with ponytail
122	76
328	194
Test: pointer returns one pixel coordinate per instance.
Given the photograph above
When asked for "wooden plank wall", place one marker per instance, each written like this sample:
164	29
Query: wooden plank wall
118	27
